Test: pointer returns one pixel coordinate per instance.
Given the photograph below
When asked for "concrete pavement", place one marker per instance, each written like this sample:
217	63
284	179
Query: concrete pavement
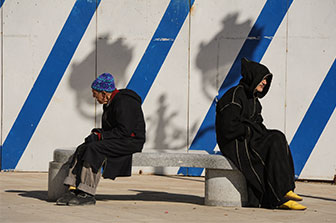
150	198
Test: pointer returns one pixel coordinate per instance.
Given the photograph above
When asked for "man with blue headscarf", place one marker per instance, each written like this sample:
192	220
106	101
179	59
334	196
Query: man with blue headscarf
111	147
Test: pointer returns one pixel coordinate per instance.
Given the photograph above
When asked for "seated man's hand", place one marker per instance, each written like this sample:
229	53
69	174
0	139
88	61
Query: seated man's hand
93	137
97	130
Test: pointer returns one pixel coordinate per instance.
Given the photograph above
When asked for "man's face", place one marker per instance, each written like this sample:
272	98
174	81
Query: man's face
261	85
101	96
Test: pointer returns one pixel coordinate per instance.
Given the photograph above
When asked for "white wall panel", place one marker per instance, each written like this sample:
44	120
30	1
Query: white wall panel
299	56
218	31
30	29
1	77
166	104
121	45
275	58
311	52
321	164
122	40
71	113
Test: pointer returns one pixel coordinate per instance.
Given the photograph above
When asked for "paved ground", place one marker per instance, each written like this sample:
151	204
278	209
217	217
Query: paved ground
148	198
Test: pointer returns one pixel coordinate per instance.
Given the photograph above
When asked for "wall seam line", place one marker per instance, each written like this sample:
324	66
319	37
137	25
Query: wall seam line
189	76
2	84
286	71
96	65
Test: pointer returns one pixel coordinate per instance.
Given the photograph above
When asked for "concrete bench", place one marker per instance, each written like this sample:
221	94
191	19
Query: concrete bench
224	183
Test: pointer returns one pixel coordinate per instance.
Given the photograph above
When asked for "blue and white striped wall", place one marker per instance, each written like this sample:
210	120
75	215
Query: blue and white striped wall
179	55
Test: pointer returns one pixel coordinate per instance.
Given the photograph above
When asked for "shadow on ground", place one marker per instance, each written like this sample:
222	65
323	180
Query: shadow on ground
195	179
140	196
317	197
143	195
37	194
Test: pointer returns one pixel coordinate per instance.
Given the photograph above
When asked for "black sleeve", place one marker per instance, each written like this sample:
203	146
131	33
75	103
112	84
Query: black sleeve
259	119
126	112
230	121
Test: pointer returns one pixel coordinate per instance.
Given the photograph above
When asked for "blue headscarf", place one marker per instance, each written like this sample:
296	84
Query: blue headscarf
105	82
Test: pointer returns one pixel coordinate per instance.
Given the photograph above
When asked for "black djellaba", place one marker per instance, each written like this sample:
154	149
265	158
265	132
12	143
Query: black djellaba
123	132
261	154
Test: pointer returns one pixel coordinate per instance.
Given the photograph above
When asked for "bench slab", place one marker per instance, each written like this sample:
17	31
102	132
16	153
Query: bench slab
224	184
164	159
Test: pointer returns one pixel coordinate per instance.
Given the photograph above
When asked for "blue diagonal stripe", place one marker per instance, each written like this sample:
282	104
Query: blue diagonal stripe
159	46
1	2
253	48
47	82
314	121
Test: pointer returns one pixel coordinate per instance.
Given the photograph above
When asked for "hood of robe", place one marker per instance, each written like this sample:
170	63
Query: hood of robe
253	73
129	93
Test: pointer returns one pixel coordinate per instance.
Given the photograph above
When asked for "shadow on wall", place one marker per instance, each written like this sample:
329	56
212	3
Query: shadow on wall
114	58
167	135
215	58
111	57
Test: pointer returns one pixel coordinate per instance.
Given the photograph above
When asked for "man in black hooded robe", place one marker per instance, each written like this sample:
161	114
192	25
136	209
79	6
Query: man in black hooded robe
111	147
262	155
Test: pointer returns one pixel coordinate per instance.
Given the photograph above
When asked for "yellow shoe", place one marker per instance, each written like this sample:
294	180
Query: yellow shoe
72	188
292	205
293	196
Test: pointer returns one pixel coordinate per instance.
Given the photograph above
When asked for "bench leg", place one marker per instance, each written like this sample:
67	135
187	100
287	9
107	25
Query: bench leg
56	175
225	188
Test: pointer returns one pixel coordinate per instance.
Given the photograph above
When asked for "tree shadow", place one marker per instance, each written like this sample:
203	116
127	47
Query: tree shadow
110	56
163	120
219	59
166	131
215	57
114	57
